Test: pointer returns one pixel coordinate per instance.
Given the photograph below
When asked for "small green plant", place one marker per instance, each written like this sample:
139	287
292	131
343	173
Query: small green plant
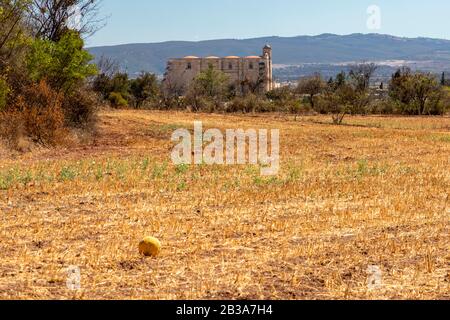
67	174
181	186
181	169
121	170
26	178
145	164
98	173
6	181
159	170
294	174
363	167
441	138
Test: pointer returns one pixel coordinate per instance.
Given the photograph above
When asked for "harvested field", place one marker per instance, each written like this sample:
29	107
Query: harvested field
374	192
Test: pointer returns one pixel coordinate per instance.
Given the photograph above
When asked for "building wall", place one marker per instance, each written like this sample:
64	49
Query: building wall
180	73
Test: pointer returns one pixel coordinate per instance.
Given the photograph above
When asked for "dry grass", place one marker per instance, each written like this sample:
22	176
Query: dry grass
375	192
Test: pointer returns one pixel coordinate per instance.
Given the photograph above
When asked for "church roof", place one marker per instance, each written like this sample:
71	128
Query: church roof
191	57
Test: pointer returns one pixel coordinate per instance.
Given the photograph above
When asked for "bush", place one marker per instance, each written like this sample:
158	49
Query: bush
144	89
12	126
4	91
117	100
285	99
249	104
80	109
37	115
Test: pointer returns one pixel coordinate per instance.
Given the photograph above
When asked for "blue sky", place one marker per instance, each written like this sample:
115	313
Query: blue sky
141	21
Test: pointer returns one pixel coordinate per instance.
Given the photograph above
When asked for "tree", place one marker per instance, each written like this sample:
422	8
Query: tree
107	66
341	79
118	90
12	33
347	94
443	81
50	19
339	101
144	88
286	99
311	86
211	82
210	85
64	64
416	93
361	74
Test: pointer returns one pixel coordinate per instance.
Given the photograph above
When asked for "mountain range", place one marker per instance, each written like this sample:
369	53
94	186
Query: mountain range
431	54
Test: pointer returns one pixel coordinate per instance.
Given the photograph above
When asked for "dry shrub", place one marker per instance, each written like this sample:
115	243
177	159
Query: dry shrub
250	103
37	115
12	127
80	109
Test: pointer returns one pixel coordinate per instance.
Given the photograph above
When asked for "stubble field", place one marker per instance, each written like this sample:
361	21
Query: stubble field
371	194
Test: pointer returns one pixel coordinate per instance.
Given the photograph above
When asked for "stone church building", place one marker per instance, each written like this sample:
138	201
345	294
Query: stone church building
253	72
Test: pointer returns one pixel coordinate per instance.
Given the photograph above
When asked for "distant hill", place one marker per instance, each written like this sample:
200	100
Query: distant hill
323	49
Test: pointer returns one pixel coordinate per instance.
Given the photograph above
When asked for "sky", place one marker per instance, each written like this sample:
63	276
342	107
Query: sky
144	21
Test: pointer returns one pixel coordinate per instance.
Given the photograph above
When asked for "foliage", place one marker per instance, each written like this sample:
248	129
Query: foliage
4	91
38	115
345	95
249	104
43	77
80	108
311	86
416	93
286	99
117	100
144	88
208	89
64	64
121	91
11	25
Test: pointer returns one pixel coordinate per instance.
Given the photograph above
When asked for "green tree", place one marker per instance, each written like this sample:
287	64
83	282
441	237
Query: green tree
416	93
311	86
209	87
339	101
144	88
64	64
12	33
347	94
211	82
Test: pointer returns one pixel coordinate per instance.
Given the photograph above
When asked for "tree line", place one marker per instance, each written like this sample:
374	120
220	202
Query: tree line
407	93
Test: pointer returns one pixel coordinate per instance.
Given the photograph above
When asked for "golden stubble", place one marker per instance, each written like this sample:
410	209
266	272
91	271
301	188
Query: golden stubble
374	192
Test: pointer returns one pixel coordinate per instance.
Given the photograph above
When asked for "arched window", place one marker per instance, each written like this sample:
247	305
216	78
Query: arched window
250	65
189	66
230	66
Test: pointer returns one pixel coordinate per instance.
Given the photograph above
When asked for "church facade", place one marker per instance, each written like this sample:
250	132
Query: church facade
244	73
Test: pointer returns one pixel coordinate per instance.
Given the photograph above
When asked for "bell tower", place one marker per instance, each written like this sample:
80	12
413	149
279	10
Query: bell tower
267	55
